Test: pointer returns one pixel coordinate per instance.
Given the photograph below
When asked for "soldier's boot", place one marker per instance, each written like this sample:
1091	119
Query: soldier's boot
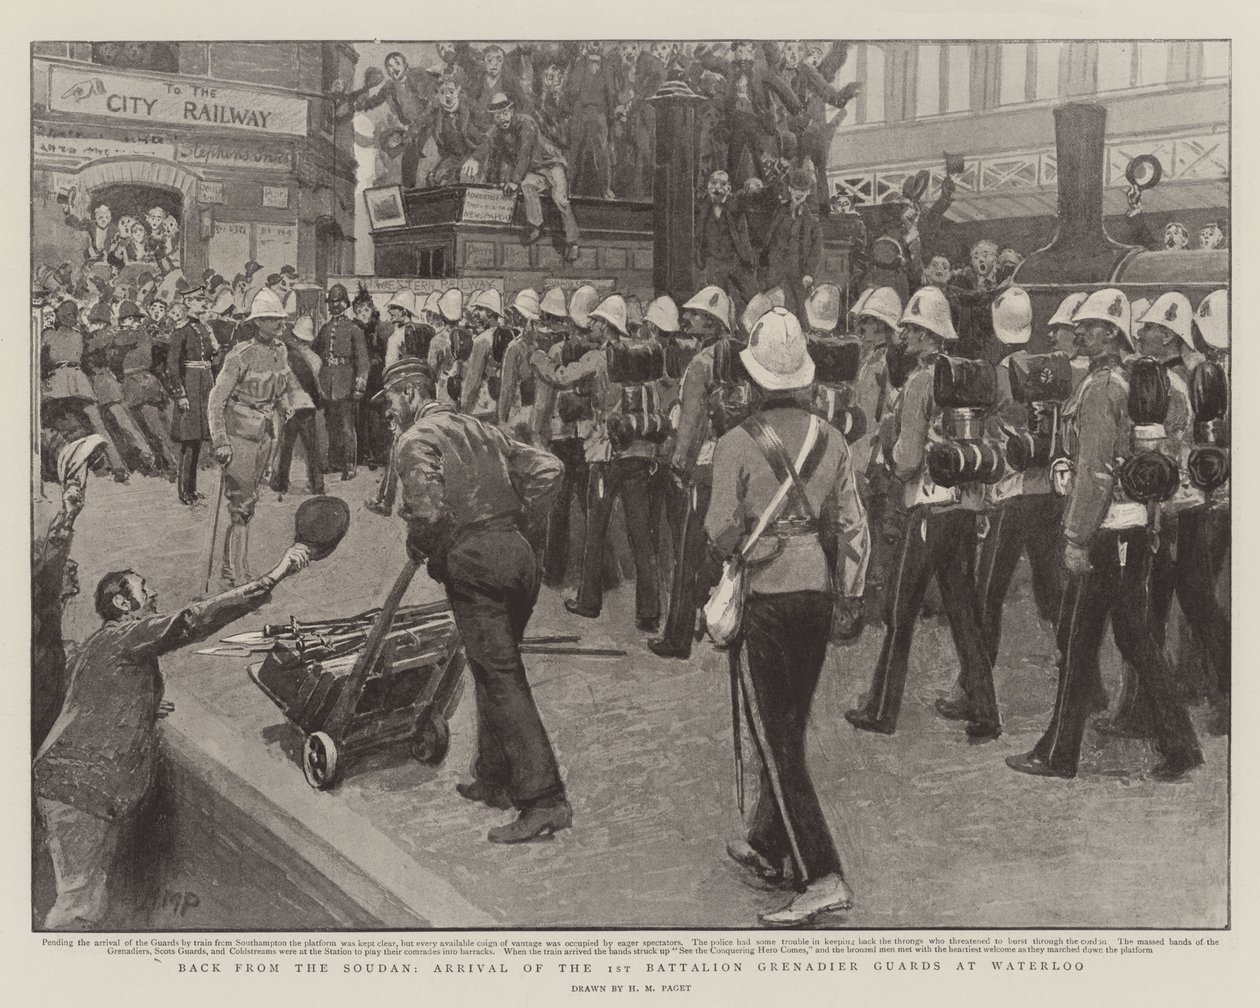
116	463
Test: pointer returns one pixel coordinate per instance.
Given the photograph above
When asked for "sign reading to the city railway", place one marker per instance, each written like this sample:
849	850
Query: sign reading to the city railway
93	91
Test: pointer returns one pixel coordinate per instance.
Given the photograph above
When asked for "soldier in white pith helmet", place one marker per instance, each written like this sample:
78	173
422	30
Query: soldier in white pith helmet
939	539
1107	554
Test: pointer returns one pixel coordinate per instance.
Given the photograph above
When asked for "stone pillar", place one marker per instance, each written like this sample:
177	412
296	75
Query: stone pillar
673	251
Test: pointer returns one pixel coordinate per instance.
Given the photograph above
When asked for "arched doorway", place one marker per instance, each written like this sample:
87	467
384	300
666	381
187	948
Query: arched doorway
138	188
136	206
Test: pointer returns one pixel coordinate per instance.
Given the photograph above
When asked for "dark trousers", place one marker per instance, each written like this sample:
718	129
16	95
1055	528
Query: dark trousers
388	489
785	638
690	564
631	479
1189	557
342	443
373	434
189	452
492	581
1116	587
571	453
1022	524
940	543
299	426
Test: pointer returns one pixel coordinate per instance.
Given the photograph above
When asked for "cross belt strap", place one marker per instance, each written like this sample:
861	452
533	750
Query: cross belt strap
771	445
815	434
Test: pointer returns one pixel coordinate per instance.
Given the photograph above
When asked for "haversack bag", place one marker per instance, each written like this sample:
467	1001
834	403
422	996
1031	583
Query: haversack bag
724	612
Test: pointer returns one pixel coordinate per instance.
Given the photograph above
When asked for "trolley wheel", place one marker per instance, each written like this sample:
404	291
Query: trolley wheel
431	740
319	760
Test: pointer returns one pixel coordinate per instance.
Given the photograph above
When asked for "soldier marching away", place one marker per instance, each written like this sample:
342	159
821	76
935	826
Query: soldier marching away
1026	514
1107	555
561	422
485	311
626	473
470	495
247	396
805	580
343	377
939	540
516	380
707	316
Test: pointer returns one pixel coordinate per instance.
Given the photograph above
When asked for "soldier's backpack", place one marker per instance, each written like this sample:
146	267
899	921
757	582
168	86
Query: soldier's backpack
1209	398
1149	475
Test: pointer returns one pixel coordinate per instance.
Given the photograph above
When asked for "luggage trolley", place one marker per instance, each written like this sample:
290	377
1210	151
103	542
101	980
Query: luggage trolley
356	685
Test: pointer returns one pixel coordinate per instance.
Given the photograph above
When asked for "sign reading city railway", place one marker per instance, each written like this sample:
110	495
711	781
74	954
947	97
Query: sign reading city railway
94	91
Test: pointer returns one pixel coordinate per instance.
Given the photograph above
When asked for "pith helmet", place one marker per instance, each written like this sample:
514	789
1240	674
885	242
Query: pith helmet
526	302
712	301
583	302
777	357
553	303
663	314
882	303
613	311
489	299
929	308
757	306
404	299
266	304
1212	318
1067	308
1108	305
822	307
451	304
1171	310
1012	316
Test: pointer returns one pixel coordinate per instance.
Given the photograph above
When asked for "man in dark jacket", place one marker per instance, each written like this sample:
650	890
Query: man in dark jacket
517	156
454	133
794	243
470	495
590	93
724	256
99	762
748	108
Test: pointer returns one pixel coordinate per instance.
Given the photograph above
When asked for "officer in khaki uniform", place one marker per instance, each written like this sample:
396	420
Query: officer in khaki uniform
804	580
1107	554
247	396
939	539
343	377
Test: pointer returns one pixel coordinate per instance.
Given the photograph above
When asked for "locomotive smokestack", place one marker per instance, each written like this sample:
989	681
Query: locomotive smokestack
1080	134
1081	251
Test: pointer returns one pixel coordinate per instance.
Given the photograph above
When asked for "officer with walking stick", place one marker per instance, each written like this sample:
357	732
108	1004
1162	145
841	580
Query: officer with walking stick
248	393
